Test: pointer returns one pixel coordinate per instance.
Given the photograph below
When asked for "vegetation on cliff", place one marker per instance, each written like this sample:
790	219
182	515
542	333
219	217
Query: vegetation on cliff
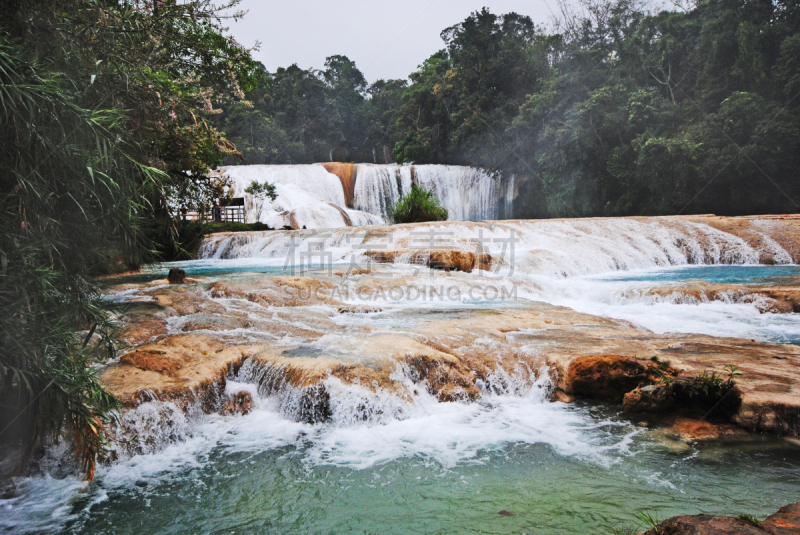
418	206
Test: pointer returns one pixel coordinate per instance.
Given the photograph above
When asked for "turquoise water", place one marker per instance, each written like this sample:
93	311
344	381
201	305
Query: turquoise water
288	489
627	296
715	274
442	467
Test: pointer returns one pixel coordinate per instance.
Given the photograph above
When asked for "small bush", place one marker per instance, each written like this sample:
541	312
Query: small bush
711	394
713	386
417	207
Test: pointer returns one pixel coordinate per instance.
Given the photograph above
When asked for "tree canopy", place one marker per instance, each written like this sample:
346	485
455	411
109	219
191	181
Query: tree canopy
106	113
622	112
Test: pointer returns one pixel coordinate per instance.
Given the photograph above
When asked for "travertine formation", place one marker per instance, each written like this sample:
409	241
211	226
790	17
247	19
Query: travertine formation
299	332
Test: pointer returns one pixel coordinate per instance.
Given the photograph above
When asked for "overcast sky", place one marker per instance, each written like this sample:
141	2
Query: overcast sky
386	38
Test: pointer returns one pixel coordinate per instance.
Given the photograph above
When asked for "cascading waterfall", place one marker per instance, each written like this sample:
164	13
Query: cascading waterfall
308	196
312	197
550	248
468	194
509	199
379	187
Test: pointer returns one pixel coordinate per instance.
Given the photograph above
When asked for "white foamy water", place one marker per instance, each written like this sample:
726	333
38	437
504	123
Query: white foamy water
379	187
569	263
441	434
560	262
550	248
309	196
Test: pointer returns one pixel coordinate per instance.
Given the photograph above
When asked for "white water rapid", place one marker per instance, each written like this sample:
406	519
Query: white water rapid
364	466
572	263
556	248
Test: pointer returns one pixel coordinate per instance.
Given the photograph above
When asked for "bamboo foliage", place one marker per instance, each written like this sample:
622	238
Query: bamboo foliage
69	195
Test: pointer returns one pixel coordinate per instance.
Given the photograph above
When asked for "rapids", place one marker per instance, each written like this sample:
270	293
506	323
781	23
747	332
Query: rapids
396	458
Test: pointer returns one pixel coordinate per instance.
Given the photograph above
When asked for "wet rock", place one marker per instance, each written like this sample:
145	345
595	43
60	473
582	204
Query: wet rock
444	259
607	377
650	398
176	276
239	403
445	377
181	368
785	522
358	309
155	361
694	430
770	413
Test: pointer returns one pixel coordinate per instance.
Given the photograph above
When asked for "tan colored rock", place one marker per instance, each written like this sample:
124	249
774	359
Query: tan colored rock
347	175
694	430
451	355
768	298
180	368
445	259
154	361
649	398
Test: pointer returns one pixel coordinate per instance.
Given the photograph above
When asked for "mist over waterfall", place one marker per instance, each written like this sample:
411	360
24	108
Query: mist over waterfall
314	197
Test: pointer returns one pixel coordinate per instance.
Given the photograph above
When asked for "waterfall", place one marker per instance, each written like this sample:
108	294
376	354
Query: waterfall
509	199
559	249
468	194
379	187
308	196
335	195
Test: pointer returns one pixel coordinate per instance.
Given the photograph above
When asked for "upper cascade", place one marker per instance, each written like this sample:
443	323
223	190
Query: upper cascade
336	195
550	248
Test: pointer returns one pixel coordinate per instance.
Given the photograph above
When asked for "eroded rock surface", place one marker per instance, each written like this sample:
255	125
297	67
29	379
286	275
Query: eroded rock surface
785	522
301	332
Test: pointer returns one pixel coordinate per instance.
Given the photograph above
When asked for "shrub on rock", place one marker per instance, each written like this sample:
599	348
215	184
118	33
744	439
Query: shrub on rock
418	206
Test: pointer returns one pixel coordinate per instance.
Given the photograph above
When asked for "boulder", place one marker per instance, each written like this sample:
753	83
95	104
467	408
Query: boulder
607	377
442	259
649	398
785	522
176	276
153	360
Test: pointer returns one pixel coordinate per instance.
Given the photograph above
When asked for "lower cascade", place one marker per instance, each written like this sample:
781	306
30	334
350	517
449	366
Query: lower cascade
344	195
493	364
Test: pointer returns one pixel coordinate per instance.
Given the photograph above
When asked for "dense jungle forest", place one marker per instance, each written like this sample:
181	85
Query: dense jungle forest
615	111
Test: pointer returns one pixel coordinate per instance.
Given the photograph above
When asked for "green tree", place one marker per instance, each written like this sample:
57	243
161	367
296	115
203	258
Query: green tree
261	191
71	195
106	114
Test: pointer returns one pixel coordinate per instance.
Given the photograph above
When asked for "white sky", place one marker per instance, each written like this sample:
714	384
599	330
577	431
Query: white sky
386	38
